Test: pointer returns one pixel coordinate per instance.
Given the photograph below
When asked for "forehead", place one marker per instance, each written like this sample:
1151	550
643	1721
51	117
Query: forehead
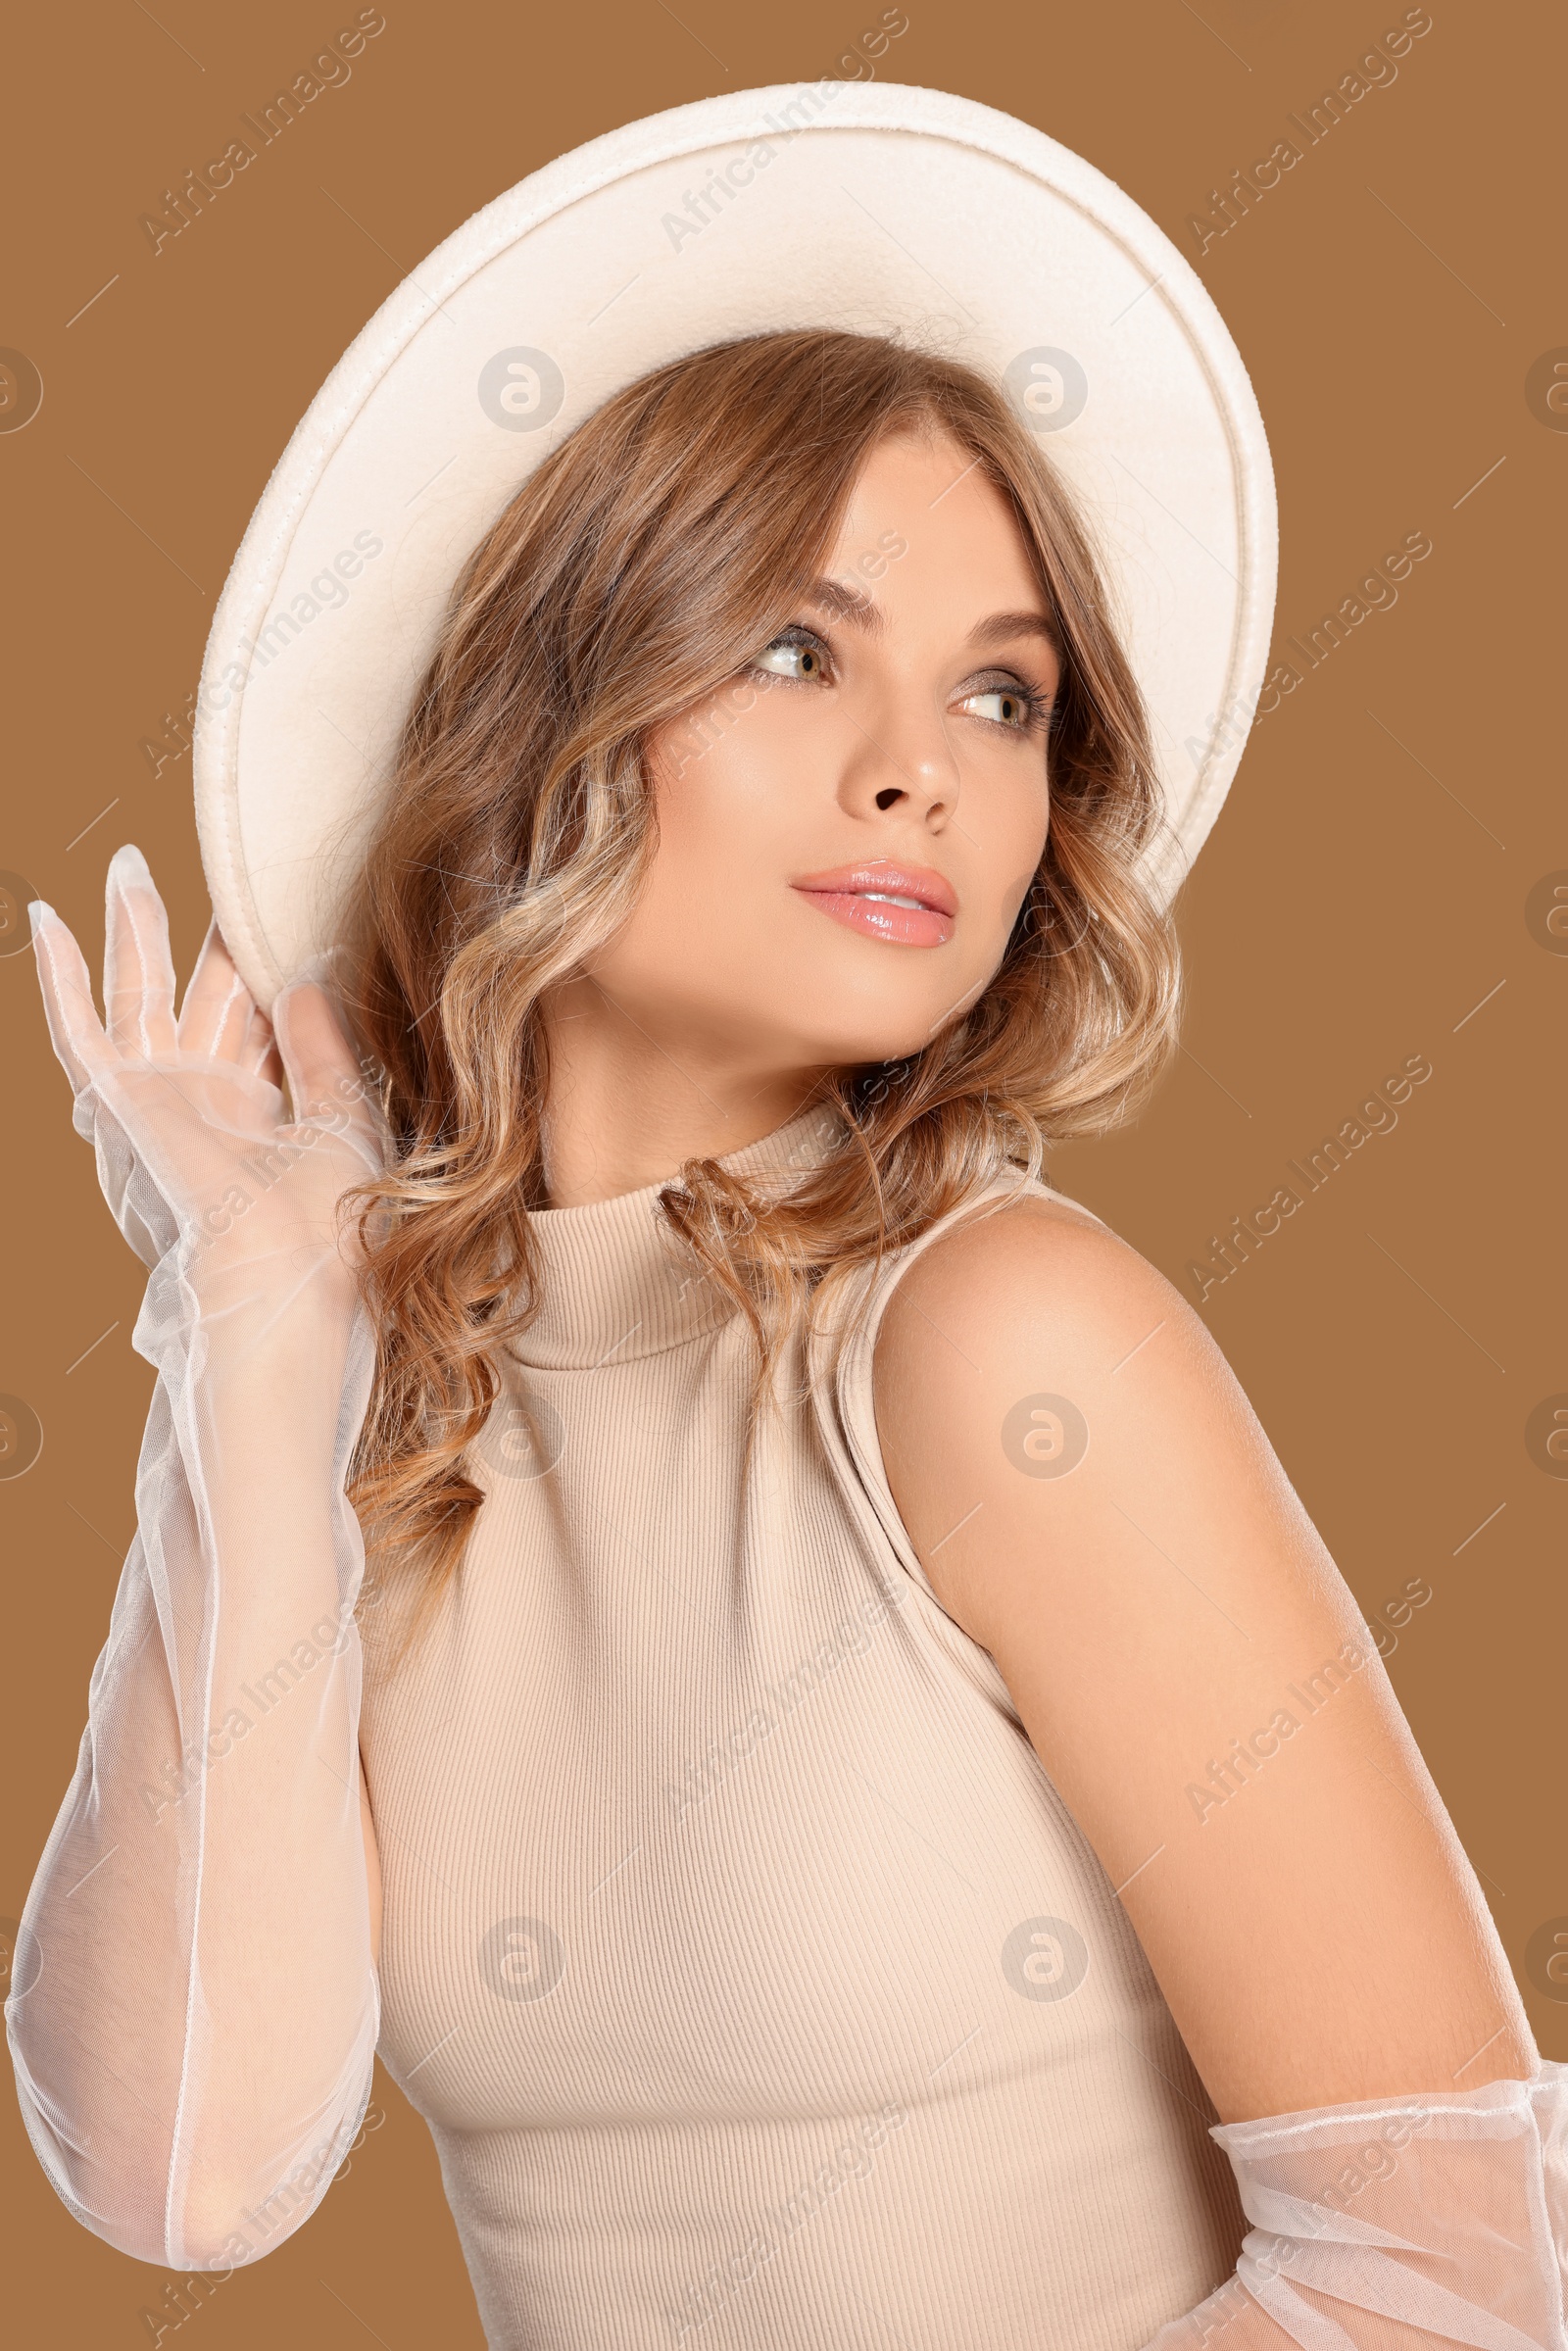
923	516
932	480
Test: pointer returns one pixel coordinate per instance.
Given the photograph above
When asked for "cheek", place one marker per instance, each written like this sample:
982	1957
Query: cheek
748	783
688	752
725	803
727	819
1013	842
747	794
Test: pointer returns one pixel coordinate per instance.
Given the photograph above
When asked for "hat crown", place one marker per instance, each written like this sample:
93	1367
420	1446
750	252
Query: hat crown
867	206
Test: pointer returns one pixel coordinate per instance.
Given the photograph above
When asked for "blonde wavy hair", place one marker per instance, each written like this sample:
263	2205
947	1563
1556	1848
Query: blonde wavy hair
638	568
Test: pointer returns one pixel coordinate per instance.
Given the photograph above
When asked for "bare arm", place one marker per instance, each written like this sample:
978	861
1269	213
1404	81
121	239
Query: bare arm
1094	1503
1309	1912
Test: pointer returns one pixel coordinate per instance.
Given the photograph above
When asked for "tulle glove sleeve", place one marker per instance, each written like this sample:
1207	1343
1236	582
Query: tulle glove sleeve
195	2009
1397	2224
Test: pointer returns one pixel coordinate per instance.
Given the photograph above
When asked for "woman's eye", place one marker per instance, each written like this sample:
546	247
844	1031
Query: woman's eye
793	655
1005	706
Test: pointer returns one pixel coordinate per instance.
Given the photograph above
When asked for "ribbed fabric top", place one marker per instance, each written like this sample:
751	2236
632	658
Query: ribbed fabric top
756	1982
616	1282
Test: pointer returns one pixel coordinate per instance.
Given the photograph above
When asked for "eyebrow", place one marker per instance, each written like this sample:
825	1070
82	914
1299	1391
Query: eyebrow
860	611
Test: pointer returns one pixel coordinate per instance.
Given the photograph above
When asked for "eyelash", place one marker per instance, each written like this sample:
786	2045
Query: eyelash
1041	713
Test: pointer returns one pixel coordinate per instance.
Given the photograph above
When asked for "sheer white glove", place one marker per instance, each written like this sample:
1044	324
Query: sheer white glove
1394	2224
195	2014
186	1115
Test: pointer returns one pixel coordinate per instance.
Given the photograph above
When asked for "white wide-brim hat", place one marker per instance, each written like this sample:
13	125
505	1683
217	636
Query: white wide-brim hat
873	207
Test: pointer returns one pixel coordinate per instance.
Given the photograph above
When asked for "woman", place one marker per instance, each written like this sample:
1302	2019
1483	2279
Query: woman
862	1753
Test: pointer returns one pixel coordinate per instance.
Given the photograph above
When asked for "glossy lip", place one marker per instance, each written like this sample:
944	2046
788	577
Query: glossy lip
857	895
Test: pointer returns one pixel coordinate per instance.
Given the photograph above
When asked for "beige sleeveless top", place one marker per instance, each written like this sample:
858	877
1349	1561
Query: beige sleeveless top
758	1987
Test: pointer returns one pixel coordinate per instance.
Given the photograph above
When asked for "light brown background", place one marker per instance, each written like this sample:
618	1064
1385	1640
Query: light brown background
1364	891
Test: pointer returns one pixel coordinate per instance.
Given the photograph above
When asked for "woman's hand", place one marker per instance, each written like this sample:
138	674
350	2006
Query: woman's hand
214	1828
188	1115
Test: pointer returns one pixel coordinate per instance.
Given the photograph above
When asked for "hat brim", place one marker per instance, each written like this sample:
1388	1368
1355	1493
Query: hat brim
874	207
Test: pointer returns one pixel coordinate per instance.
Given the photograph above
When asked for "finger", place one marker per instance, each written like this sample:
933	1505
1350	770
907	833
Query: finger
215	1018
260	1050
138	968
319	1057
75	1030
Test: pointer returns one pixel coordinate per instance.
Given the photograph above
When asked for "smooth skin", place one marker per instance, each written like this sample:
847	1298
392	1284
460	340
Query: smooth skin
905	725
878	731
1319	1935
1318	1932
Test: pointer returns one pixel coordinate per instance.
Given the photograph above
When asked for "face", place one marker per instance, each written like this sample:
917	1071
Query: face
847	830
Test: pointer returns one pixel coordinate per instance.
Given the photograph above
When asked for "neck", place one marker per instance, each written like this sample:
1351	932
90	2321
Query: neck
628	1101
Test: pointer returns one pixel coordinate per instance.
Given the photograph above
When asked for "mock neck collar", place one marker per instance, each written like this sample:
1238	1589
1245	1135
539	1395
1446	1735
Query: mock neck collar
618	1282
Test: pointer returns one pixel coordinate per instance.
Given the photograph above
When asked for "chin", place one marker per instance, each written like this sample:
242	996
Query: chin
788	1012
890	1025
857	1047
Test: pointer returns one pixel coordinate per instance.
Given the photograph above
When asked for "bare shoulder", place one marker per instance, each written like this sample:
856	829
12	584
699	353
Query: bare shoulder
1047	1242
1036	1283
1091	1498
1031	1355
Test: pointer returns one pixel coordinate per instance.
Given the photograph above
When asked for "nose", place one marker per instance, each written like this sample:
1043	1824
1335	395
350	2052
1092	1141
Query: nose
900	759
